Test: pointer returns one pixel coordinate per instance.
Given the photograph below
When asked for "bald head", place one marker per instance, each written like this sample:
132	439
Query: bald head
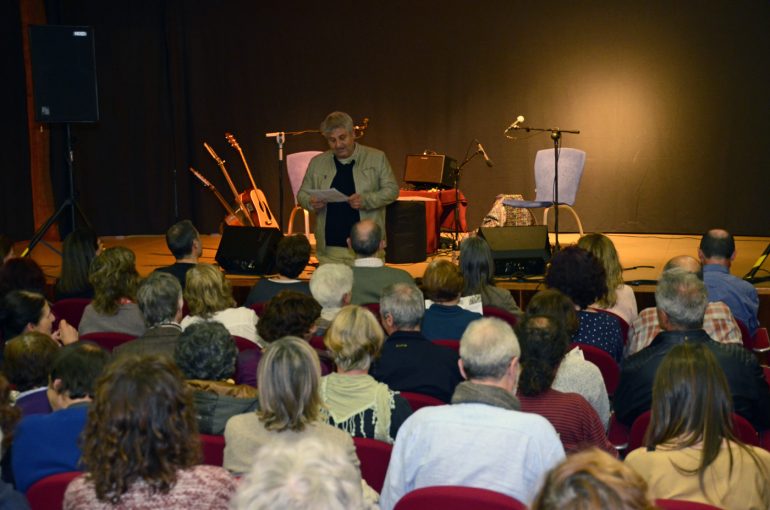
717	246
365	238
687	263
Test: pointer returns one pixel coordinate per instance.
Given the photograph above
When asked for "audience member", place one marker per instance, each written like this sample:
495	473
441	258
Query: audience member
46	444
482	439
353	400
370	274
409	361
543	346
6	249
160	300
692	452
115	279
25	311
289	313
718	321
579	275
443	284
681	299
619	298
21	274
575	374
206	355
331	285
209	297
27	363
478	270
80	247
185	245
291	257
141	444
9	415
309	473
593	480
717	252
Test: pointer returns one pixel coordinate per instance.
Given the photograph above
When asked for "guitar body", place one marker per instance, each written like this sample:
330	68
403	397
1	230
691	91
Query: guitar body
262	215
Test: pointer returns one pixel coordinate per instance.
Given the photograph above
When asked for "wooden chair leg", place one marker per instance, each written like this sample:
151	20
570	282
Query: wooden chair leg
574	214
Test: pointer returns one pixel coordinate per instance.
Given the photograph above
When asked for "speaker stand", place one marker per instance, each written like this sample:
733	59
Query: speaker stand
70	202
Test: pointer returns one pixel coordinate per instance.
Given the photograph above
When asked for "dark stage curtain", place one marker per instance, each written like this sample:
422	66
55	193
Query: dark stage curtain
669	97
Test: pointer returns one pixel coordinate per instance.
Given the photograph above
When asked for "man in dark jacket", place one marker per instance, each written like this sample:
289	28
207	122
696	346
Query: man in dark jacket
409	361
681	300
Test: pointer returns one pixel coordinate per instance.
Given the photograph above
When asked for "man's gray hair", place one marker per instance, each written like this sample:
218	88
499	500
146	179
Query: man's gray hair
329	284
365	238
337	120
158	298
309	473
683	297
487	348
405	303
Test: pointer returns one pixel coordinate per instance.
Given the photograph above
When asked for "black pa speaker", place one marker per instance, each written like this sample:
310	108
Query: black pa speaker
63	73
405	232
248	250
518	251
433	169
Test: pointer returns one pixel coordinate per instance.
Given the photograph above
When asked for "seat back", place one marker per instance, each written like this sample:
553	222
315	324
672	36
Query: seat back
571	163
493	311
449	344
607	366
296	167
244	344
457	498
418	400
678	504
374	456
748	340
107	340
70	310
213	449
48	493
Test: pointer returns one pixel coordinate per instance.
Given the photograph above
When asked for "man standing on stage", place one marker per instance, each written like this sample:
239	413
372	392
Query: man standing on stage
361	173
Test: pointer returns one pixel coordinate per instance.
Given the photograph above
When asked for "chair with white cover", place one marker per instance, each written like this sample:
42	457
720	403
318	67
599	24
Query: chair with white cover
296	167
571	163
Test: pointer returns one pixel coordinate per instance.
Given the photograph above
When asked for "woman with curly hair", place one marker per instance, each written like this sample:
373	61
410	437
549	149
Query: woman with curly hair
619	298
115	280
141	444
580	276
209	297
80	248
690	448
354	401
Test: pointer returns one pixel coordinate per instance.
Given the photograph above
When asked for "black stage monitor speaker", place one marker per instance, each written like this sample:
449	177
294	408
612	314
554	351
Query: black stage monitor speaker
405	231
518	251
248	250
63	73
434	169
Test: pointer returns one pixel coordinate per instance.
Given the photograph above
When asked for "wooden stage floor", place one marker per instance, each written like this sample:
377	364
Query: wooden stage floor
645	252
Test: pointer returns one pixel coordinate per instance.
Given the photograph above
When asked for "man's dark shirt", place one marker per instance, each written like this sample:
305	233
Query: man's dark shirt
178	270
751	396
410	362
340	217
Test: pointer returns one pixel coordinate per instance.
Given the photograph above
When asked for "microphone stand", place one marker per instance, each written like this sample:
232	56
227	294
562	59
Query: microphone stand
455	244
556	137
280	139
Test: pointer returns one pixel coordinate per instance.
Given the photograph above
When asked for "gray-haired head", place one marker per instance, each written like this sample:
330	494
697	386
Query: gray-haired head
329	284
683	298
337	120
487	348
159	297
365	238
405	303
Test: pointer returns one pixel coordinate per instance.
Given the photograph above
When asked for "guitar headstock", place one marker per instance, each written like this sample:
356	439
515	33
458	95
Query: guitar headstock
232	141
213	154
200	176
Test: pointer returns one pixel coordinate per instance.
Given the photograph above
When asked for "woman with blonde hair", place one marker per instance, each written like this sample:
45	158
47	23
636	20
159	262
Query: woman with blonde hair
115	280
619	298
354	400
209	297
691	451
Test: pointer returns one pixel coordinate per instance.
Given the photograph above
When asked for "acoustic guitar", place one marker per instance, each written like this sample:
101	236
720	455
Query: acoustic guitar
232	217
244	211
261	214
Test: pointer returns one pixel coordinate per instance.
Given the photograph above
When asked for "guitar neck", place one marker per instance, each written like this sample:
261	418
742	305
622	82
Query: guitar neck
248	170
217	194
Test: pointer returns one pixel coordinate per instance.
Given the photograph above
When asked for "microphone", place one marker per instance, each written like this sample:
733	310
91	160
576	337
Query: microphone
484	154
515	124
